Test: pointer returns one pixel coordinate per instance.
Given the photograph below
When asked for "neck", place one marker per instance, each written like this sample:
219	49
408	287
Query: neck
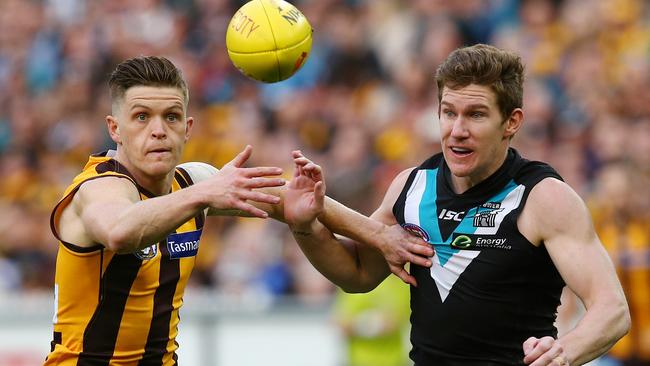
158	185
464	183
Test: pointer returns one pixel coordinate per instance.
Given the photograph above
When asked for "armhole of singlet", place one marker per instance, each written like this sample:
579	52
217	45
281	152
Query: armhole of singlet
398	207
529	183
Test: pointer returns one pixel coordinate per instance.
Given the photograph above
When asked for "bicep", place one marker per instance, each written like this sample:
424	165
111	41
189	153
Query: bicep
567	231
99	203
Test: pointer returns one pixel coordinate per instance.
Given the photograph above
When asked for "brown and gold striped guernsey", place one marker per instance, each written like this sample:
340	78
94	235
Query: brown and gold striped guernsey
120	309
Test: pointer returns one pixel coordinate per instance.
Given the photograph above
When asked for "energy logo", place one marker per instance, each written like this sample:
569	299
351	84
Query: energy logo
462	242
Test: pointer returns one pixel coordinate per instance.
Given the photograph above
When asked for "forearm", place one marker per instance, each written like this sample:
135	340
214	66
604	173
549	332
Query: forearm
596	333
347	264
349	223
336	217
150	221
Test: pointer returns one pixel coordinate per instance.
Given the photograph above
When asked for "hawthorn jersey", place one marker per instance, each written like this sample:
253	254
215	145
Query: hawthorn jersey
120	309
489	288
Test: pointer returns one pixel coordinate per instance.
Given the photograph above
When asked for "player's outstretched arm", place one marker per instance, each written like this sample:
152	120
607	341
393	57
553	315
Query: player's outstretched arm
110	212
354	266
381	231
561	220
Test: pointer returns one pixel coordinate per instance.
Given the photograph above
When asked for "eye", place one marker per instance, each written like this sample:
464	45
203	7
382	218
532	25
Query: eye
477	115
172	117
141	117
449	113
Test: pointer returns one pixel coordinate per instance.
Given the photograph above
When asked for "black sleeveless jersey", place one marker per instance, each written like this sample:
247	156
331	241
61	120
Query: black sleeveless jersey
489	288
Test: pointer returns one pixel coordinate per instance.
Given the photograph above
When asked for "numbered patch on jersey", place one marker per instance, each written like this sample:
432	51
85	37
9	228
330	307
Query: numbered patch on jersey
182	245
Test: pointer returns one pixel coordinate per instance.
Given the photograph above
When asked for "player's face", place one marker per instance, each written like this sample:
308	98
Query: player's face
474	134
151	130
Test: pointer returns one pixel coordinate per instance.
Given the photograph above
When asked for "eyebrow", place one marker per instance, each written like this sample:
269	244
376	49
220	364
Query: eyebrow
138	105
143	106
471	106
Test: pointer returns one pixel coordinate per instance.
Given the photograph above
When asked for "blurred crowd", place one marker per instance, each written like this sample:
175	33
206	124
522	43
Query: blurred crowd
364	106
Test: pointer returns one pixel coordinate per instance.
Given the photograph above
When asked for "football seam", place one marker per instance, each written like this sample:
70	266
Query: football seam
275	50
275	41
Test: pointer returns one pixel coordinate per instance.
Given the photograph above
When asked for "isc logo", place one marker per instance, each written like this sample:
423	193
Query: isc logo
451	215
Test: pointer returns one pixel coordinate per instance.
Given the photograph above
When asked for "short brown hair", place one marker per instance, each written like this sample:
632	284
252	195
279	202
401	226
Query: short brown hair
146	71
486	65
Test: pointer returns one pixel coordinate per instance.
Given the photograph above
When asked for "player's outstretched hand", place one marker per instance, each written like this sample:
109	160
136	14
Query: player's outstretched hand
232	186
544	351
399	247
305	194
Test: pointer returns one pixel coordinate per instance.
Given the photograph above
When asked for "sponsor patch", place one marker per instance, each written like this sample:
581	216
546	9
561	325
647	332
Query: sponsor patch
461	242
477	242
181	245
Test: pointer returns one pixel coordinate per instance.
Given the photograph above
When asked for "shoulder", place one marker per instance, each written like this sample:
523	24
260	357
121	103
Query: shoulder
553	208
554	195
91	195
108	187
197	170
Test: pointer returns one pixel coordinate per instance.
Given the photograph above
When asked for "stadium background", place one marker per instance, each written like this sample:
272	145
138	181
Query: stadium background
363	106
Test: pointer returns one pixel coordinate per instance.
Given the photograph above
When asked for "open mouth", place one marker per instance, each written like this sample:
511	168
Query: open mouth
461	151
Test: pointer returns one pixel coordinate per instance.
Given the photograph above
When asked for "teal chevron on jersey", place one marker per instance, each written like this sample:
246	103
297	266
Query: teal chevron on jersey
422	198
488	285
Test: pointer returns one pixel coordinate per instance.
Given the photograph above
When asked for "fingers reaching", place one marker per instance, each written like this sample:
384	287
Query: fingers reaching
254	211
261	171
306	167
241	158
259	197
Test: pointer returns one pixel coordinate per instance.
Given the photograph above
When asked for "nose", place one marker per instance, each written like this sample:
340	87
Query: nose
459	128
158	126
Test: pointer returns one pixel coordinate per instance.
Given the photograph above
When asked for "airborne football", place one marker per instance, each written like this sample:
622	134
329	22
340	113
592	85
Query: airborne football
268	40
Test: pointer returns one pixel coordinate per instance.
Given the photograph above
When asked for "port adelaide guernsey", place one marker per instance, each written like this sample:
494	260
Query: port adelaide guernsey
489	289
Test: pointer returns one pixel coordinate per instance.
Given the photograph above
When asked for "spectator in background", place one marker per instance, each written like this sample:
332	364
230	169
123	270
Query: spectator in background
623	223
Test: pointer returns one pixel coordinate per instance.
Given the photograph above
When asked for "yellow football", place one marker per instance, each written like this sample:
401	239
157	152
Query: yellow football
268	40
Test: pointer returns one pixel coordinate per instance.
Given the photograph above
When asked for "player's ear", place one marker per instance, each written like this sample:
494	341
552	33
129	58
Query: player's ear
513	123
189	123
113	129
